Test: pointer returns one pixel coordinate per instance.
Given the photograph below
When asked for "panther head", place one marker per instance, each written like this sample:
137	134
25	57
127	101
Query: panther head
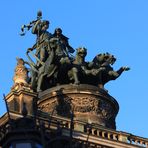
81	51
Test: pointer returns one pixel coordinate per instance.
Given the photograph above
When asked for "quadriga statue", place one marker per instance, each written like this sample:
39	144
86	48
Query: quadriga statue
55	64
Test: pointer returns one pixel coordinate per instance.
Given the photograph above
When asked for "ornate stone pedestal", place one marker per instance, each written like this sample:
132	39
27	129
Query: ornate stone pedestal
88	104
18	96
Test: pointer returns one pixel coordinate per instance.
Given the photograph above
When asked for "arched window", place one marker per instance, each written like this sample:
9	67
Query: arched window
25	145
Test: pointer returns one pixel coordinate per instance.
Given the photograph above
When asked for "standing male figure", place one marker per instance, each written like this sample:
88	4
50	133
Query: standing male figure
42	41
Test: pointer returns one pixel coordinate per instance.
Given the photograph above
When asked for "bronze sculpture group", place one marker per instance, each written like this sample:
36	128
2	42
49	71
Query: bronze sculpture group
56	64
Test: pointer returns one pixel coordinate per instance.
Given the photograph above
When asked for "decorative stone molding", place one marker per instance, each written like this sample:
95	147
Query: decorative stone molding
16	98
88	103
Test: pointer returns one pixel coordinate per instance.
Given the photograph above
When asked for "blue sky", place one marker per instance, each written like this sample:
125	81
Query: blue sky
117	27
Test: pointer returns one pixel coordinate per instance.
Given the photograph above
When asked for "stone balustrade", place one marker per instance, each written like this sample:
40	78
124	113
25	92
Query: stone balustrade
85	129
101	132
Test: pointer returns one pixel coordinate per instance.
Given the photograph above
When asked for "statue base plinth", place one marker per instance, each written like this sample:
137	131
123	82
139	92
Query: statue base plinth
88	104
